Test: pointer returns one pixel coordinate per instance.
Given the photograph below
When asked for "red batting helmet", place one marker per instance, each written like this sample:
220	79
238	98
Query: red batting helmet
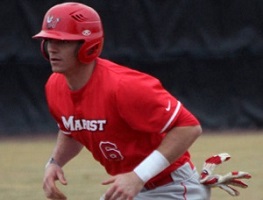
73	21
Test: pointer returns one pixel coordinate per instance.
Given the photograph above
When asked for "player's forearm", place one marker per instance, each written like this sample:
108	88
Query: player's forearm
178	141
66	148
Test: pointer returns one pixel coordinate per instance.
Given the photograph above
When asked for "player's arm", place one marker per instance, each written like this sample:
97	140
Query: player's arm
66	148
181	133
178	140
180	136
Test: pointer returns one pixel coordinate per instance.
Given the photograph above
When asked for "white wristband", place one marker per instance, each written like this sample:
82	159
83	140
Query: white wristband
151	166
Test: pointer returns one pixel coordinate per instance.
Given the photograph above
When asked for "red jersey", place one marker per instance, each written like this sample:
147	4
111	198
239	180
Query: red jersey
121	115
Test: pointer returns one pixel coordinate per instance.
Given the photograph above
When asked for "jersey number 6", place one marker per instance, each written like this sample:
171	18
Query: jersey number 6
110	151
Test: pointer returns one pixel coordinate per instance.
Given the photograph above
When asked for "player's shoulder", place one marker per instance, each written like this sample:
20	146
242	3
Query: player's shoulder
115	67
111	66
126	80
124	72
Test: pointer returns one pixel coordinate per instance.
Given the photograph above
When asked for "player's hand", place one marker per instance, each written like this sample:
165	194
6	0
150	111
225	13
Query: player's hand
222	181
52	174
123	187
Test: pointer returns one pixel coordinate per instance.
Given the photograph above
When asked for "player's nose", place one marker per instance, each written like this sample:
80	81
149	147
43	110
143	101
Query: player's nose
52	46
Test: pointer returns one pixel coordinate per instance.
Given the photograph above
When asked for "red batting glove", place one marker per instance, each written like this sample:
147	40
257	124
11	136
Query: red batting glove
232	178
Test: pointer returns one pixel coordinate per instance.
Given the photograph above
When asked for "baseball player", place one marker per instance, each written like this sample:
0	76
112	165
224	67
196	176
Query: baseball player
135	128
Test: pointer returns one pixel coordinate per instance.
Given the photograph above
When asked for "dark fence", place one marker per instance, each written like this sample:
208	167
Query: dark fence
209	54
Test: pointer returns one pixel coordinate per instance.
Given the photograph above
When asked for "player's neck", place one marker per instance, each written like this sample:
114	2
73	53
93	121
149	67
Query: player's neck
79	77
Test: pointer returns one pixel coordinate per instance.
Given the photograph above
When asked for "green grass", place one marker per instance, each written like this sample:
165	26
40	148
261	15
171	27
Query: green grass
22	166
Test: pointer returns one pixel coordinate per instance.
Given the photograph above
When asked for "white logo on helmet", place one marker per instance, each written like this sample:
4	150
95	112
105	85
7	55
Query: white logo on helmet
52	22
86	32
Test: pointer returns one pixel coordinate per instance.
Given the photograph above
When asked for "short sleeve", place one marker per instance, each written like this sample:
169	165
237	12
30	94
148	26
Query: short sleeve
186	118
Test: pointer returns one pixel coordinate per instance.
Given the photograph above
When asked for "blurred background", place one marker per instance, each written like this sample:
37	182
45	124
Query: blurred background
209	54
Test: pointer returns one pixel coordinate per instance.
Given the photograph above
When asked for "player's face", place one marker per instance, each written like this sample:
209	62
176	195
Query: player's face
63	55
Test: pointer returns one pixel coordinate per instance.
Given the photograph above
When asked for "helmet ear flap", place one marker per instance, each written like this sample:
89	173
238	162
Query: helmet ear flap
44	49
88	52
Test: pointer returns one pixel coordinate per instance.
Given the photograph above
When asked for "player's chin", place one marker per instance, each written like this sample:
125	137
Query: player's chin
57	68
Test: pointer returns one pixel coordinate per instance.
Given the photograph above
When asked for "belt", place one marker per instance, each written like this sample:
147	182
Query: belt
163	181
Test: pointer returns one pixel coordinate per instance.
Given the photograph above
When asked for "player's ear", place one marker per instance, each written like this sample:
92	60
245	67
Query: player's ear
44	49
